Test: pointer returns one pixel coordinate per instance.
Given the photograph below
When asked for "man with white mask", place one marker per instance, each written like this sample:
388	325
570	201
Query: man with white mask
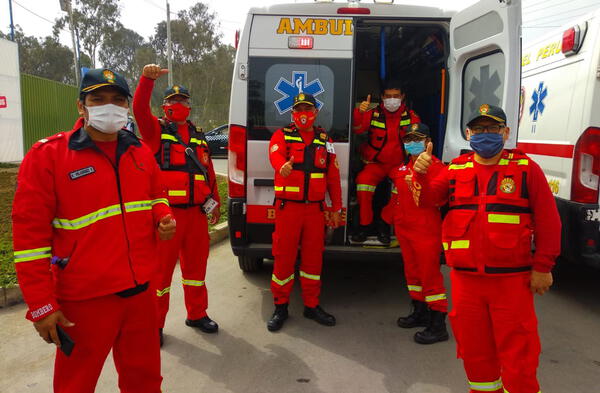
87	215
383	151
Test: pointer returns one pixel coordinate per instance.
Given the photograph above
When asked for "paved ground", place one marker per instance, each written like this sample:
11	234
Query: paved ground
220	164
365	353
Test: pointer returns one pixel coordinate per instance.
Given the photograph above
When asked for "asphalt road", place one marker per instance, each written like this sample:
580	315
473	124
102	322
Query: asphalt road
220	164
365	352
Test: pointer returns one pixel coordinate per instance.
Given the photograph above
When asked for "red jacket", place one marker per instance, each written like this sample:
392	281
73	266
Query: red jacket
392	151
279	154
402	208
150	129
495	213
72	204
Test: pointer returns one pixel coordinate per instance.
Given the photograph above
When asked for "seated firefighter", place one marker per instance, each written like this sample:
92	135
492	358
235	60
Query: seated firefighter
386	125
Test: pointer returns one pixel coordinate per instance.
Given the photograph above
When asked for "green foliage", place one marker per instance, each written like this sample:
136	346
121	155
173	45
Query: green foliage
7	188
126	52
222	186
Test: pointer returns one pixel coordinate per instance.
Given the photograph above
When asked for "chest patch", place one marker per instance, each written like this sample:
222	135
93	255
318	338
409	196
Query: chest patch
82	172
507	185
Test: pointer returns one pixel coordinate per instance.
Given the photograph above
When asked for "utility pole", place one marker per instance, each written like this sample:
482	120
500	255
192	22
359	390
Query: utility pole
65	5
169	62
12	26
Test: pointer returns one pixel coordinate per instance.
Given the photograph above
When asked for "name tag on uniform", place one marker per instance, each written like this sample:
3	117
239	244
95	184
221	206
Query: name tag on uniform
209	205
329	147
81	172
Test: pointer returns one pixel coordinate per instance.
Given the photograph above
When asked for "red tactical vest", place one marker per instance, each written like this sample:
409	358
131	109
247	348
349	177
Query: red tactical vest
186	184
488	228
378	133
308	181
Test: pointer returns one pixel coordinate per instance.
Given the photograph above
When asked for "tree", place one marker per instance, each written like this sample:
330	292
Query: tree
122	50
94	19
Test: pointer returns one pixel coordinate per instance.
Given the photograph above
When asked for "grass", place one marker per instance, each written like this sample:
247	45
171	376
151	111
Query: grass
8	276
8	165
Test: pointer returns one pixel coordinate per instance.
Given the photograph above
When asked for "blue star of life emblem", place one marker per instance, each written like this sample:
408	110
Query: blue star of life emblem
290	89
537	108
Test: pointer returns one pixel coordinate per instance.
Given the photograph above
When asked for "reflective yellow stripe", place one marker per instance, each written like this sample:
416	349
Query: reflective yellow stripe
192	283
168	137
365	187
523	162
138	206
160	200
292	189
310	276
435	298
88	219
506	391
486	386
199	177
317	175
405	122
293	138
461	166
415	288
459	244
318	142
394	190
277	188
177	192
281	282
160	293
33	254
198	141
503	161
504	218
377	124
445	244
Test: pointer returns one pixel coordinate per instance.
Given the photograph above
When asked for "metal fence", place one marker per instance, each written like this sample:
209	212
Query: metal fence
48	107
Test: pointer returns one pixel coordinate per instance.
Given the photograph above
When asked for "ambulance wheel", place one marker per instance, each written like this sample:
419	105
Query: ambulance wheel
250	264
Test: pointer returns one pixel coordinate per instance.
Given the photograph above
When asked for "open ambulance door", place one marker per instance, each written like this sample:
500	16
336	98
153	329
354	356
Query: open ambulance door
484	67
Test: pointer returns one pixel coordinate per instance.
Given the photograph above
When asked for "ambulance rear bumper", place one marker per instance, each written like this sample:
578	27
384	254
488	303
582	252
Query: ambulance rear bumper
580	232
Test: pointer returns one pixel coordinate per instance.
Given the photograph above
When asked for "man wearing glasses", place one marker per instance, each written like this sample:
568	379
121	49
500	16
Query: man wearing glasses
188	175
499	202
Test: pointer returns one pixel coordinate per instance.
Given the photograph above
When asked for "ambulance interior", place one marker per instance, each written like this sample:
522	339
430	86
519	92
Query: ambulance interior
416	54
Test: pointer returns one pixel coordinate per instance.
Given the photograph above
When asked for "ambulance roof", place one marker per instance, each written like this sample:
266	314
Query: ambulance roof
377	10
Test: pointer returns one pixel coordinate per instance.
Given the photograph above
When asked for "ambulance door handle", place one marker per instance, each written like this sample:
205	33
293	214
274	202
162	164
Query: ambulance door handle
264	183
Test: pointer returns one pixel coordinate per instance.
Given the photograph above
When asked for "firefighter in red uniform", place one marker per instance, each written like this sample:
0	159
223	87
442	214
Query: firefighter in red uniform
305	169
499	201
188	174
382	152
86	211
419	233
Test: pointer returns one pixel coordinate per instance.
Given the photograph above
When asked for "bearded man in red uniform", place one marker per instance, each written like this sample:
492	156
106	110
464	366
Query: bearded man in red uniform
305	169
188	174
382	152
499	202
86	213
419	233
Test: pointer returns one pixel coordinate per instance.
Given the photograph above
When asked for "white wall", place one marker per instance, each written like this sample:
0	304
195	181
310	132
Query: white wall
541	16
11	123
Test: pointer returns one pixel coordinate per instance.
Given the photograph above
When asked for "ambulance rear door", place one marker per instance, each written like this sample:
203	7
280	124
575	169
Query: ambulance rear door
484	67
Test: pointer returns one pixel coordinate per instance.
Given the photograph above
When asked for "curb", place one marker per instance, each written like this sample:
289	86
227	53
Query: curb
13	295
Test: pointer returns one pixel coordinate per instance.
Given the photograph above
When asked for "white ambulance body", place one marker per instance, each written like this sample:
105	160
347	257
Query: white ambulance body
560	128
450	63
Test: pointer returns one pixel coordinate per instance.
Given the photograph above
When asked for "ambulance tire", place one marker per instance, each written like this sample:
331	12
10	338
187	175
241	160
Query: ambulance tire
250	264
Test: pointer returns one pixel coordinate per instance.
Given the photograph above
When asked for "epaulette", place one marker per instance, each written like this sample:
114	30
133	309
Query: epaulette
320	131
286	129
52	138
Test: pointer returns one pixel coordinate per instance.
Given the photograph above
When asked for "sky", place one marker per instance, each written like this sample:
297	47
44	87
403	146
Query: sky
143	15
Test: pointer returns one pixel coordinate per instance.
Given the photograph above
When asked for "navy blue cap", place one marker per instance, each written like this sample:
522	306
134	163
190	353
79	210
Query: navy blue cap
101	77
491	112
176	90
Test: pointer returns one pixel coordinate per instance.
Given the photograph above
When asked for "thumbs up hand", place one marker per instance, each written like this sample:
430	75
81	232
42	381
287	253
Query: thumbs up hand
364	106
424	160
153	71
166	227
286	168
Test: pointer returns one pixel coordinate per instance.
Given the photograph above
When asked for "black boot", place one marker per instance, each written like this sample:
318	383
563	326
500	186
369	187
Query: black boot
279	316
418	317
436	331
319	315
383	234
205	324
360	236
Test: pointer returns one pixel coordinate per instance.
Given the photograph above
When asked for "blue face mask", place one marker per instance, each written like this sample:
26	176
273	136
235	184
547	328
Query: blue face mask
487	145
415	148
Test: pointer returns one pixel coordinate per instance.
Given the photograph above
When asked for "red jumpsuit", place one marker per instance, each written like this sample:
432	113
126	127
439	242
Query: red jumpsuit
419	233
299	219
381	153
191	242
84	231
495	212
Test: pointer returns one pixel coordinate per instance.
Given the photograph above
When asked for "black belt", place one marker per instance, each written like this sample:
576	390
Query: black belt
496	270
133	291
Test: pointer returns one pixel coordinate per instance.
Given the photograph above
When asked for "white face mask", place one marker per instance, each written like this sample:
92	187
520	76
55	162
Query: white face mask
108	118
392	104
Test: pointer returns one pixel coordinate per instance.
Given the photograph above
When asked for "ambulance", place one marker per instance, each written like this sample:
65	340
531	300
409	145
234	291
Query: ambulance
560	128
450	63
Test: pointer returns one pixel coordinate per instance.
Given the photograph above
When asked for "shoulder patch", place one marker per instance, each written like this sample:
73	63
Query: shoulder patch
52	138
375	114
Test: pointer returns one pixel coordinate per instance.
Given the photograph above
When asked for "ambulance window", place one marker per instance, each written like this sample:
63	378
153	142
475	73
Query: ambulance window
273	83
483	83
